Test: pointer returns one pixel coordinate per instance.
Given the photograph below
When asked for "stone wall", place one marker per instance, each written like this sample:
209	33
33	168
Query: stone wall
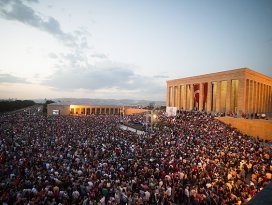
130	111
255	128
63	109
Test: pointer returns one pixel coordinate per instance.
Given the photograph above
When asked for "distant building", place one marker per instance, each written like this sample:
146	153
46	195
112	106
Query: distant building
67	109
236	91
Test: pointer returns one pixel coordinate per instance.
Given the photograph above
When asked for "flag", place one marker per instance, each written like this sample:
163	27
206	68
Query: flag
196	92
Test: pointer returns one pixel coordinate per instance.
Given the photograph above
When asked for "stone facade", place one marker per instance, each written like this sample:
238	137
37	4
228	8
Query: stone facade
130	111
235	91
90	109
63	109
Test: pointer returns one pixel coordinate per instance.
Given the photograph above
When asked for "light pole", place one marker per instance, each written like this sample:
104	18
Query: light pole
123	112
146	122
153	119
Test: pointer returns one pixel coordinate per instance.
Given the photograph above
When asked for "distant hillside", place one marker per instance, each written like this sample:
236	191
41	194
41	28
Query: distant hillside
122	102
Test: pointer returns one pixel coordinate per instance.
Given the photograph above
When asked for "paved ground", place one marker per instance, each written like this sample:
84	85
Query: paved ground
124	127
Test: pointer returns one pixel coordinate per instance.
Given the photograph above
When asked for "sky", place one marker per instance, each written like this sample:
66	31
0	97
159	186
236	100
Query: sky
119	49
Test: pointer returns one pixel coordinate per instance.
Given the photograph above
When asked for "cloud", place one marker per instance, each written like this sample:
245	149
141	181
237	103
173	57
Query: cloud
91	77
99	55
73	69
17	10
75	72
36	1
7	78
161	76
52	55
112	77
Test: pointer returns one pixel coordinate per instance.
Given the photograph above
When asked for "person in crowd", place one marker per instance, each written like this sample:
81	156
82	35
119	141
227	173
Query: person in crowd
189	159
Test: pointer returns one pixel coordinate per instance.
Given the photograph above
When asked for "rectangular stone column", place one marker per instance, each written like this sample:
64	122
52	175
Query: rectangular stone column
173	96
218	97
250	104
261	97
209	97
254	97
258	98
265	102
191	96
201	90
241	96
270	99
264	97
183	105
228	96
267	98
185	97
179	103
247	96
167	97
176	96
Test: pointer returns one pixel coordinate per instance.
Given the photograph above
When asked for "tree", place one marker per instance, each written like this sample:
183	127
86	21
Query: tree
11	105
46	102
151	105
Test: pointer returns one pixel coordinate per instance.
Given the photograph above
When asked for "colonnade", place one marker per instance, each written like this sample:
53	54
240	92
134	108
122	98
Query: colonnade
258	97
230	95
87	110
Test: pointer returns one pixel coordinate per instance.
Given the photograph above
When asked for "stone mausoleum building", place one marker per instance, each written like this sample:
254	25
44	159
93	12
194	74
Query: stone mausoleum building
234	91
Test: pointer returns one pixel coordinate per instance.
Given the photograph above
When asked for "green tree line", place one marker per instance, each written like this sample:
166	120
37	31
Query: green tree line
11	105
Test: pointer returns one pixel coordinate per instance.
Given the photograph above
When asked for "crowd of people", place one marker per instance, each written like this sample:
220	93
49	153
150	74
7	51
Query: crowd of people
190	159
